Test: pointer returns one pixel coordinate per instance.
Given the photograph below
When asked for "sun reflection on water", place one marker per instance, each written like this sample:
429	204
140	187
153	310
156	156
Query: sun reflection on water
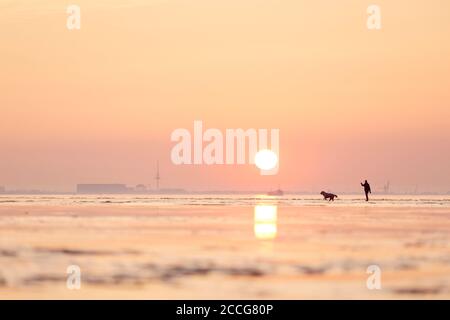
265	222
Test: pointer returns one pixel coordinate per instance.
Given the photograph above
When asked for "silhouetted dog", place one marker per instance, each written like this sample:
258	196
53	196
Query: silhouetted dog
329	196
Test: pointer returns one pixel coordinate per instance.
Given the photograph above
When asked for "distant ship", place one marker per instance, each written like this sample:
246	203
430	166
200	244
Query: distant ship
277	192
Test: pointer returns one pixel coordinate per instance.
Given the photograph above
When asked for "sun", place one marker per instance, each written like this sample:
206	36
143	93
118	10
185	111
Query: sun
266	159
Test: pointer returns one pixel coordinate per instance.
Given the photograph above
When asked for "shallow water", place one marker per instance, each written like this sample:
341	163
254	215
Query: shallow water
231	200
296	247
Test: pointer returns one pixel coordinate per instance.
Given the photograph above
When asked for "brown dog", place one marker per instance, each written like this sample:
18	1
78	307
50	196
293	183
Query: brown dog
329	196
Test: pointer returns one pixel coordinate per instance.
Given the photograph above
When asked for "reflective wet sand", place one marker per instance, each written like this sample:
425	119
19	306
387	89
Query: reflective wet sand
224	252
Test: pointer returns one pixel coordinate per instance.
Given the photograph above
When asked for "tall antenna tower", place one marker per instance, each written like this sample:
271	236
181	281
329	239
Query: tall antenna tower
387	187
157	177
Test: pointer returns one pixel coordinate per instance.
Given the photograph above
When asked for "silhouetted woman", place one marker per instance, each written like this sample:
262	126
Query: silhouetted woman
367	190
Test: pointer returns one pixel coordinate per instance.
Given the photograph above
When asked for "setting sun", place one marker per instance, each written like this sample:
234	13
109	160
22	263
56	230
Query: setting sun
266	159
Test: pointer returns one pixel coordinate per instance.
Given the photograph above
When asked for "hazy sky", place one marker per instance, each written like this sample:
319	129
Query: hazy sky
99	104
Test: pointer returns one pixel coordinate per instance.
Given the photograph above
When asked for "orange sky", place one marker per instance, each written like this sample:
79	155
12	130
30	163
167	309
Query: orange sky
99	104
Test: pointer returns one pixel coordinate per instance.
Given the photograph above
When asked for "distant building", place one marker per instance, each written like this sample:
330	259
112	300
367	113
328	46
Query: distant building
2	189
102	188
141	188
171	191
